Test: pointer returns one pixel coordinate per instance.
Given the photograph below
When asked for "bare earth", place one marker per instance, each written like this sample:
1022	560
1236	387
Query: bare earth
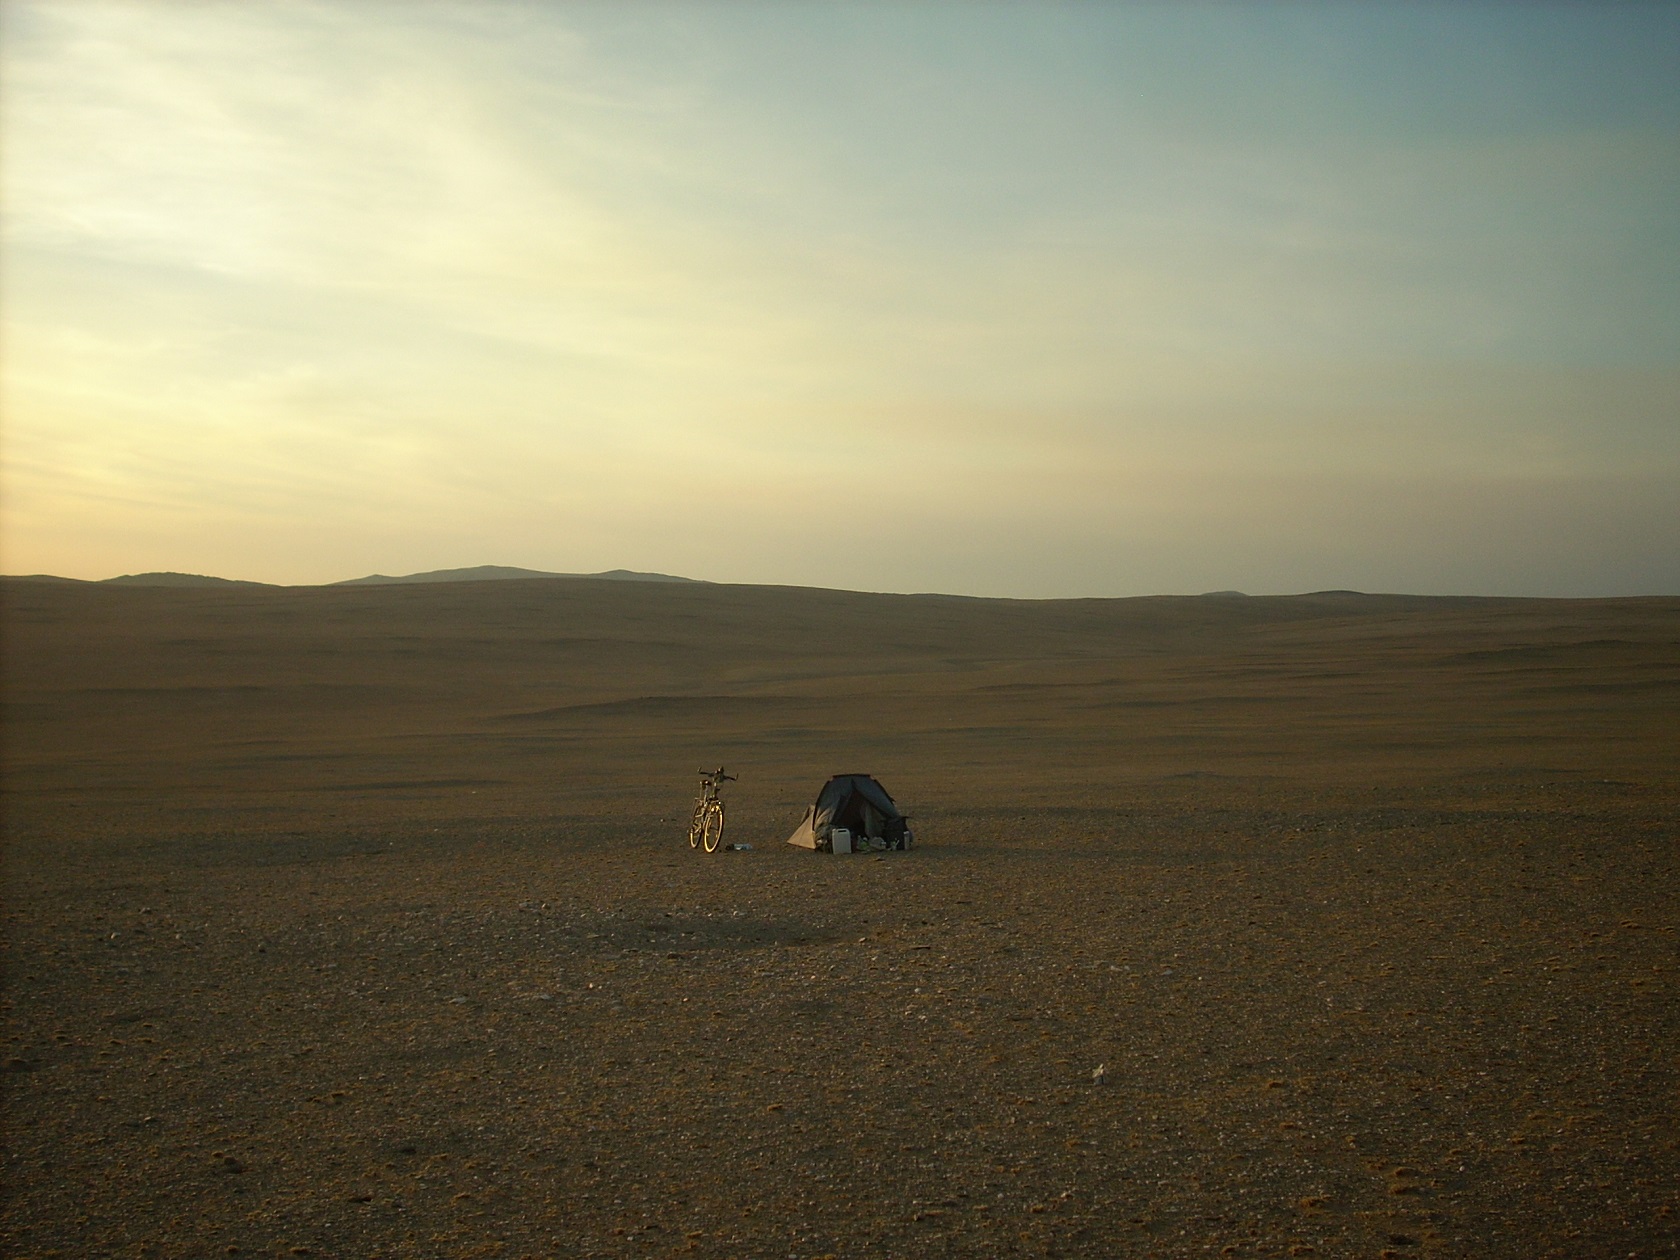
359	922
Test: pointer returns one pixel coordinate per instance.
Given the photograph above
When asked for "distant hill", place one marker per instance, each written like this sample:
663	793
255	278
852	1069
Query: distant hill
175	579
481	573
502	572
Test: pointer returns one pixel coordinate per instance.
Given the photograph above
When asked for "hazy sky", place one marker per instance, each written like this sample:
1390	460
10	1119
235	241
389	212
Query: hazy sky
1094	299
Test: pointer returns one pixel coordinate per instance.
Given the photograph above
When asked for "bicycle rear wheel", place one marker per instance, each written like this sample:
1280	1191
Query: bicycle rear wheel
697	827
712	830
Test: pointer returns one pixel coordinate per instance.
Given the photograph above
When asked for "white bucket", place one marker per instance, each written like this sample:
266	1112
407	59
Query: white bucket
840	839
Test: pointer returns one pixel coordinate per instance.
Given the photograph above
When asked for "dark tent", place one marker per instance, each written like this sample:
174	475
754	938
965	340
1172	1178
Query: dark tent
859	809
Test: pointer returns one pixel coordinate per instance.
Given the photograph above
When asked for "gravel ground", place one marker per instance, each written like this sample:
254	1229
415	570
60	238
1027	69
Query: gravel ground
1408	1029
359	923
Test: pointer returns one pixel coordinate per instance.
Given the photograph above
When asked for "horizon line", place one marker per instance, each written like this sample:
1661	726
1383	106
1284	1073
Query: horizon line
503	573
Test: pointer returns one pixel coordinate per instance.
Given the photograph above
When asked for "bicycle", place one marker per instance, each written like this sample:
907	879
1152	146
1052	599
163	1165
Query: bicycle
705	830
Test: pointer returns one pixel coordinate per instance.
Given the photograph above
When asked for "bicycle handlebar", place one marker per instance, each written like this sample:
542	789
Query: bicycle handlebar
718	776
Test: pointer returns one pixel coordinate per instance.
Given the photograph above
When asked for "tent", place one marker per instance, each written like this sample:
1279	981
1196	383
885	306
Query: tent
860	809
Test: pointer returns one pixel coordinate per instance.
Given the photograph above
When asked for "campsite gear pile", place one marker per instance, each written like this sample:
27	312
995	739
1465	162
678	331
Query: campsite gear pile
852	814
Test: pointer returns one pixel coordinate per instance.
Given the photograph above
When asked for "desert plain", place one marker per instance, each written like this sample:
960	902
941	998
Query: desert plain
360	922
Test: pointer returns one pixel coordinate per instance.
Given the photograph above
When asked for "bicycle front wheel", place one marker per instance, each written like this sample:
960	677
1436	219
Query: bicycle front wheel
712	830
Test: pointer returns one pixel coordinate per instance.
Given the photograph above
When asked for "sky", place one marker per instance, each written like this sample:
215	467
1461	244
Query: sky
1027	300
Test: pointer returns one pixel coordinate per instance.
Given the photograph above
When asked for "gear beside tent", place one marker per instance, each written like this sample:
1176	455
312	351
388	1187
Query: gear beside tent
852	813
